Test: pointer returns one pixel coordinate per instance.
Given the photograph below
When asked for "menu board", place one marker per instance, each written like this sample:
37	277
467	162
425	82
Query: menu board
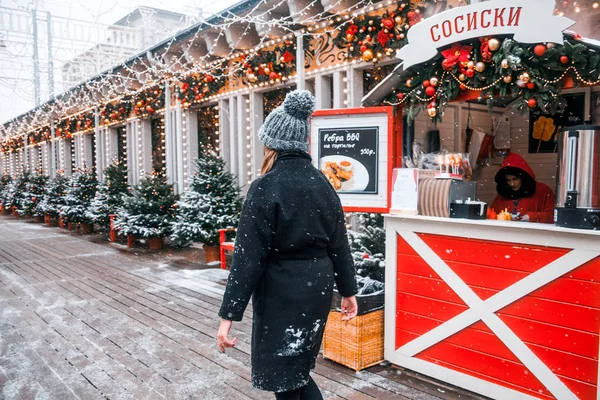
349	158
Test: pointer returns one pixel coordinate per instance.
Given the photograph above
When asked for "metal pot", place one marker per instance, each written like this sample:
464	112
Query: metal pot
578	178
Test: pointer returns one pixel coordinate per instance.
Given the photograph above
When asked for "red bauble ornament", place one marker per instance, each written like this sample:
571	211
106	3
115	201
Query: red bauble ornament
411	15
539	50
273	75
363	48
531	85
400	96
532	103
426	83
150	109
366	255
564	59
470	73
388	23
430	91
208	78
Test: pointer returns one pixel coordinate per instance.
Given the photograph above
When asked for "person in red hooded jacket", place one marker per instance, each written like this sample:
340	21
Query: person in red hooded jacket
520	194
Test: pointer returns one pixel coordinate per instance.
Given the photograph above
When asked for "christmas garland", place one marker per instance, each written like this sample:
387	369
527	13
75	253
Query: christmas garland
148	101
115	112
39	136
498	67
270	66
372	37
12	145
198	86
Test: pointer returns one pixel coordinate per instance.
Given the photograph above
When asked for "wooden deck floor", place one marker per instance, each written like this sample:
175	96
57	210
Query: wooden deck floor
86	320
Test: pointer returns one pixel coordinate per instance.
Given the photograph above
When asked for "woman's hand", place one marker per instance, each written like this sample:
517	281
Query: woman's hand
349	308
222	336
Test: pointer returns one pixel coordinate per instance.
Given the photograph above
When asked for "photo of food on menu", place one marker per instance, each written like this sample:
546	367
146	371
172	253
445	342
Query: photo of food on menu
348	158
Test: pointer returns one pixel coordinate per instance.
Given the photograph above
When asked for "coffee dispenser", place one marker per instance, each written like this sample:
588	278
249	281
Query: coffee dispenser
578	178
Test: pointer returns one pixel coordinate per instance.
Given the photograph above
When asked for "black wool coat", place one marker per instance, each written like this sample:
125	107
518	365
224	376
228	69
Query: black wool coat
290	247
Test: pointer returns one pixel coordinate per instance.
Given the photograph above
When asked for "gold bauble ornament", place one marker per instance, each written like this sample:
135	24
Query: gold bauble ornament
434	81
480	67
350	37
494	44
508	79
252	77
470	65
398	20
504	63
367	55
267	71
371	22
550	45
432	111
401	36
525	77
462	77
409	83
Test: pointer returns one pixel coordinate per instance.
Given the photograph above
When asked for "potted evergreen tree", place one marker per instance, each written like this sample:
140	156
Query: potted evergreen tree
212	202
80	193
16	190
109	196
4	186
33	195
359	344
53	199
147	211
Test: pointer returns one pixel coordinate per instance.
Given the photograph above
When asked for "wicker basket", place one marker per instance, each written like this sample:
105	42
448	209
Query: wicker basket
359	344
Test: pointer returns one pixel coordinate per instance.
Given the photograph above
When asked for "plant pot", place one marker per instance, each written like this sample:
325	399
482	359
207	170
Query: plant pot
211	253
358	344
2	209
156	243
14	211
52	221
38	219
86	228
26	216
70	226
62	223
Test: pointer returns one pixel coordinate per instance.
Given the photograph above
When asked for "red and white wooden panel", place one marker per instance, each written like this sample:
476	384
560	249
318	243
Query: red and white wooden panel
505	310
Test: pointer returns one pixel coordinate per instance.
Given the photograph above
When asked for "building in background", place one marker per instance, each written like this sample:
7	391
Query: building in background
138	30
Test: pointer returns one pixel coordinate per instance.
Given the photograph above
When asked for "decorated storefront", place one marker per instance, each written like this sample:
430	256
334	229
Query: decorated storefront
498	302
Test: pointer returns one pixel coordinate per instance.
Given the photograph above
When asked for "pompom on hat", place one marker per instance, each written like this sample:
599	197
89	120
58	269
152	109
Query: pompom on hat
286	128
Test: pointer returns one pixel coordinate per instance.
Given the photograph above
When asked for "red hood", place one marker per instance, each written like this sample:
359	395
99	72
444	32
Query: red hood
516	161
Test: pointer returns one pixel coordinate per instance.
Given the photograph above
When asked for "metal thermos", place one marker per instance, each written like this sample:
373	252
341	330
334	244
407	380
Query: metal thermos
578	178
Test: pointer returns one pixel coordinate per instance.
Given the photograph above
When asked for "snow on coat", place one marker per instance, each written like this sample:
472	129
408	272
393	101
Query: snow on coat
290	247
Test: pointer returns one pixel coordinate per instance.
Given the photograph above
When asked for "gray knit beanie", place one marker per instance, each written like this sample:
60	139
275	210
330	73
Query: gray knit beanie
286	128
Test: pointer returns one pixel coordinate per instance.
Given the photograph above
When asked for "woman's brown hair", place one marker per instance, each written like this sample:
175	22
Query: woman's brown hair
268	161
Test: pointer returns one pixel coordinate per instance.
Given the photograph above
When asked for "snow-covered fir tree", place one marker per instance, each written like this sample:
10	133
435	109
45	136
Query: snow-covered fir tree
109	196
53	199
33	194
212	202
368	247
148	210
16	189
4	186
80	193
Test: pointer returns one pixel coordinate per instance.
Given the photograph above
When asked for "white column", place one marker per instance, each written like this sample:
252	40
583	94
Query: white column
67	156
11	164
233	142
178	136
338	89
190	141
53	151
355	86
256	118
146	147
25	155
244	147
133	166
300	84
224	122
323	91
169	140
100	147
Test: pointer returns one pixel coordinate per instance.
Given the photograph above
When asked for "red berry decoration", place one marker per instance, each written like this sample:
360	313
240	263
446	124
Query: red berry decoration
531	85
426	83
532	103
539	50
411	15
150	109
366	255
430	91
564	59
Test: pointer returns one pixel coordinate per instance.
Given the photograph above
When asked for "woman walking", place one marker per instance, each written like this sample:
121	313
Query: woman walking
290	248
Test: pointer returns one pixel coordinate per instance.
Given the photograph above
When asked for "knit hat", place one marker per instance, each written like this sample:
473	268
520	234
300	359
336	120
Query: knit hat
286	128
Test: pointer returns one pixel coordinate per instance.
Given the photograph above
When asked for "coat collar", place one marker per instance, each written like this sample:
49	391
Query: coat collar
293	155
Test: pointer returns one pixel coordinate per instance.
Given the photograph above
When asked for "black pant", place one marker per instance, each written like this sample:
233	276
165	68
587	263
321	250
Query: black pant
309	392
